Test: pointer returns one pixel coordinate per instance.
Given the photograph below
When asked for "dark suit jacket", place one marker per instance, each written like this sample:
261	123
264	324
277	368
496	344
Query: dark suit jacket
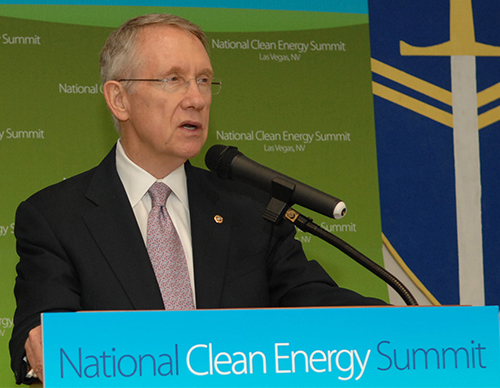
80	249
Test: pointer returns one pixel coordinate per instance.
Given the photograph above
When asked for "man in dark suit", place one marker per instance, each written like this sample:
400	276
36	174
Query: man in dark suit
83	242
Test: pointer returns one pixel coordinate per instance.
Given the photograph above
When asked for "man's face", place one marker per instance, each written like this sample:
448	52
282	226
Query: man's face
164	126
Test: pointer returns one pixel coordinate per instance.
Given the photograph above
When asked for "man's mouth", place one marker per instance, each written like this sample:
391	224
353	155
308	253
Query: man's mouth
190	125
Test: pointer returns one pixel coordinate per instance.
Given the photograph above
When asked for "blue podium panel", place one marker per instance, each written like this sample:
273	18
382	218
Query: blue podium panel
314	347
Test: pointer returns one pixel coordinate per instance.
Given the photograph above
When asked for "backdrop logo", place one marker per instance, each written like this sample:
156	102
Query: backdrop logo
339	228
280	47
80	89
4	229
284	141
22	40
5	323
12	134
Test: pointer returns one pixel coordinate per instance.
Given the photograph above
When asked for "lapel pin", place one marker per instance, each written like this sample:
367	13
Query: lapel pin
218	219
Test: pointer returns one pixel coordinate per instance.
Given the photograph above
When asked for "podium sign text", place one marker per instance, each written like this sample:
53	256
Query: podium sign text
316	347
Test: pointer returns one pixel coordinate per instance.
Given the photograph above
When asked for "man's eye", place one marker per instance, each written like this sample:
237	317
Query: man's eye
204	81
173	80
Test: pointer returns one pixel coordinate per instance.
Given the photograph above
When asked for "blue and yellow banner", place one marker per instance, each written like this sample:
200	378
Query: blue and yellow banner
437	109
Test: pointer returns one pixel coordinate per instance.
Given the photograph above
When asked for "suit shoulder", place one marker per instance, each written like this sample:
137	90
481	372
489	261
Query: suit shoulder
59	192
76	186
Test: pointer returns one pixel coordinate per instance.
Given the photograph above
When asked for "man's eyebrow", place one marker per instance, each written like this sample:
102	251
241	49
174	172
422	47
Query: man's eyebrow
177	69
207	71
174	69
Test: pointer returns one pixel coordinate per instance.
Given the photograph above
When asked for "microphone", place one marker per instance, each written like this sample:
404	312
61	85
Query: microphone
227	162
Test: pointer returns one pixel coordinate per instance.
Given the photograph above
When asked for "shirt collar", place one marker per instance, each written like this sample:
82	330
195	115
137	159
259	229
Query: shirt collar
137	181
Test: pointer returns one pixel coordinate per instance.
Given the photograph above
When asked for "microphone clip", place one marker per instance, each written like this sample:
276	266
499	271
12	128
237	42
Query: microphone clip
281	192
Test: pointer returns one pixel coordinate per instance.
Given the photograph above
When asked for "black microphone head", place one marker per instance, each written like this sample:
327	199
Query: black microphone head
218	159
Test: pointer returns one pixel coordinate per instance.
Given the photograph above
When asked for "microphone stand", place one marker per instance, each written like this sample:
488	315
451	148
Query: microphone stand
279	209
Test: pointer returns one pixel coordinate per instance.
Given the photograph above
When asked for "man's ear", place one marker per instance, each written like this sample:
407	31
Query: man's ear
115	96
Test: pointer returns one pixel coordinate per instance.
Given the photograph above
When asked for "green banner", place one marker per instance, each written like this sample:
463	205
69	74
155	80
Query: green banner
296	97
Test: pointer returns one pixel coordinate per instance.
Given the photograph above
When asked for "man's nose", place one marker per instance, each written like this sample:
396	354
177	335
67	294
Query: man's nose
195	96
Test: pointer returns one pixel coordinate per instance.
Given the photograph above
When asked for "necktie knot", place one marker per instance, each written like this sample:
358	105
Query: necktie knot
159	192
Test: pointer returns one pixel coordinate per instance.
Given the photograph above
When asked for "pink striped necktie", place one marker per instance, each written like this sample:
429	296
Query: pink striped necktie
166	253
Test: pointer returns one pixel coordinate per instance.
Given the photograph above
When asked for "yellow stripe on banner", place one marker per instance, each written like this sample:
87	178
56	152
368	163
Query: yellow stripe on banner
409	272
411	103
488	95
411	82
488	118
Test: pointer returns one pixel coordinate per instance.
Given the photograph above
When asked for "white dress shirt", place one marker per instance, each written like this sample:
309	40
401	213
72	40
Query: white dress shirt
137	183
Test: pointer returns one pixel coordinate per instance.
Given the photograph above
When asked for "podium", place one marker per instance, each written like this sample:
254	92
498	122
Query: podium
302	347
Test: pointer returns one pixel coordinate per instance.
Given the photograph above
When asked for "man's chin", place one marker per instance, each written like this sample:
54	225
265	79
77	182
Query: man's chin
191	152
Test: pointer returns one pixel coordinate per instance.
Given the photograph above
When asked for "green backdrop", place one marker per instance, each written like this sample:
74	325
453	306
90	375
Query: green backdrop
306	113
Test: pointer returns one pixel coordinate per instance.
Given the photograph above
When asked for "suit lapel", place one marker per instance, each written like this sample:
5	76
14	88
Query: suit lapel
113	225
210	238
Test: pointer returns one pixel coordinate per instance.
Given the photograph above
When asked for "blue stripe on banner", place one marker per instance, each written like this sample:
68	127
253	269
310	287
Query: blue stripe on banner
341	6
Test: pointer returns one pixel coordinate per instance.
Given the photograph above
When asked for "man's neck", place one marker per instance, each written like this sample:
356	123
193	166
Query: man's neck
157	165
